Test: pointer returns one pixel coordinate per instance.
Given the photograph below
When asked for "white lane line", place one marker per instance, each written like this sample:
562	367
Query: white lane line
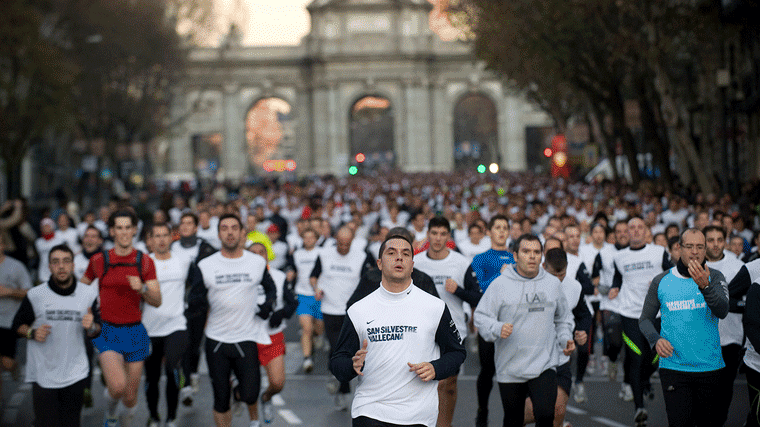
9	418
290	417
277	400
576	411
607	422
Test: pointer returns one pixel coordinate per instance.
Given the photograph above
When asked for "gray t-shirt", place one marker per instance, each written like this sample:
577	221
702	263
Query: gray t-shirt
14	275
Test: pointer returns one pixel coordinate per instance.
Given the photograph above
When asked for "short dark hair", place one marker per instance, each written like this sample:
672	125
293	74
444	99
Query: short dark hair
561	245
673	241
160	224
717	228
191	215
61	248
227	216
122	213
672	225
439	221
474	225
396	233
92	227
556	258
495	218
527	237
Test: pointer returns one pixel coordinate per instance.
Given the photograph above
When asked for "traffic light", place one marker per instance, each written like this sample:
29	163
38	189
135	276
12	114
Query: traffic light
493	168
353	170
360	158
481	168
548	152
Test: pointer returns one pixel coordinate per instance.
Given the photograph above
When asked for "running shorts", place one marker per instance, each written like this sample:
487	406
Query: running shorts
269	352
565	377
309	306
130	340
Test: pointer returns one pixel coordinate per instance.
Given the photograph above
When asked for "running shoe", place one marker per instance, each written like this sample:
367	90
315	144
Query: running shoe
641	417
626	393
648	392
170	423
153	423
87	400
341	403
111	422
308	365
332	385
254	423
579	394
186	396
267	410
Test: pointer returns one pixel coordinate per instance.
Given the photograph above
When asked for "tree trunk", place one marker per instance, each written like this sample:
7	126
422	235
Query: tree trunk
13	179
605	140
617	107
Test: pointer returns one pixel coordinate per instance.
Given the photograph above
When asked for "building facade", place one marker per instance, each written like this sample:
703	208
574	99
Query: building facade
356	50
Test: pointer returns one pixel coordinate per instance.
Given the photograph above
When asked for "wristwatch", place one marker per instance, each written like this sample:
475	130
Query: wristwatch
144	289
30	333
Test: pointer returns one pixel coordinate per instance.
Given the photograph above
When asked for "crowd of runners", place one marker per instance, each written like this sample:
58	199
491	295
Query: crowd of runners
531	270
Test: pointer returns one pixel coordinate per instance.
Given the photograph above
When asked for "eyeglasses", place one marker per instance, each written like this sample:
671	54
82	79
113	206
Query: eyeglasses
691	247
61	261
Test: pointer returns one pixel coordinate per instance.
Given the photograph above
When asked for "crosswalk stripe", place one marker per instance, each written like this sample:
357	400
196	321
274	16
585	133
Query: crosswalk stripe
290	417
576	411
277	400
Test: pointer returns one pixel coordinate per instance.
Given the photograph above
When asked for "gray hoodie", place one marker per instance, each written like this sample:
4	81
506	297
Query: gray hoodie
538	310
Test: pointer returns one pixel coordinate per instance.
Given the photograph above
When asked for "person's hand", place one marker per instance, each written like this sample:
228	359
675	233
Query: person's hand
506	330
265	310
700	275
276	319
290	275
359	357
87	319
318	294
451	285
569	348
424	370
664	348
581	337
613	293
41	333
135	283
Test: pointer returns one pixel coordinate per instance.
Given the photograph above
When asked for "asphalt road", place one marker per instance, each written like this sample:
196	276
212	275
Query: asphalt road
305	401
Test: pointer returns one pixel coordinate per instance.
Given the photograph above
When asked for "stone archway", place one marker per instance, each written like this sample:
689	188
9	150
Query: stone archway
371	133
475	131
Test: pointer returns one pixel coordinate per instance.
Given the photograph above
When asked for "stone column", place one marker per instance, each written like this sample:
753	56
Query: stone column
512	134
442	135
181	155
235	155
321	125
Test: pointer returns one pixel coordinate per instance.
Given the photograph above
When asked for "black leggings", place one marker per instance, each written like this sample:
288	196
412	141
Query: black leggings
58	407
333	324
195	327
642	358
732	357
691	398
369	422
753	386
542	392
484	384
169	348
613	335
241	358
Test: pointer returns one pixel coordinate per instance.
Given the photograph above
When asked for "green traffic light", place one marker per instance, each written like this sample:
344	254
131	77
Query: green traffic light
353	170
481	168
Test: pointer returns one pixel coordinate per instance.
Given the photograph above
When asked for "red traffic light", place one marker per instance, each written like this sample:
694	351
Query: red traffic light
548	152
360	158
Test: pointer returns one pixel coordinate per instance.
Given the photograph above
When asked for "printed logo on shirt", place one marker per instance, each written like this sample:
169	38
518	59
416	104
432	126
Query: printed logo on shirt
536	301
389	333
684	305
63	315
225	279
636	266
341	268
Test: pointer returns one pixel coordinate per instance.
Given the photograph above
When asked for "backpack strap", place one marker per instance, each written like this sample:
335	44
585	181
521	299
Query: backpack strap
106	263
138	262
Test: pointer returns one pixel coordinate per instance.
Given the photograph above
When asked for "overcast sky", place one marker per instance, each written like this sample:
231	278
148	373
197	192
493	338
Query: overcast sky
267	22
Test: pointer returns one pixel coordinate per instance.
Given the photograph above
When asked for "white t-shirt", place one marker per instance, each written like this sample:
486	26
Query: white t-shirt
304	261
233	287
454	266
169	317
210	235
730	328
14	275
61	360
339	278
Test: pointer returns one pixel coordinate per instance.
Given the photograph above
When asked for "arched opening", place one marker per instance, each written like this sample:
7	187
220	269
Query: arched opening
269	132
475	132
371	134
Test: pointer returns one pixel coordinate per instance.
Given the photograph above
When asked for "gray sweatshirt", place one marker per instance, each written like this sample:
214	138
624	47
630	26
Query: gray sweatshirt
538	310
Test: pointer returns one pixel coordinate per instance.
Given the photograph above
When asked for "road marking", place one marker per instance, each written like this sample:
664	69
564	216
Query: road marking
289	416
607	422
576	411
277	400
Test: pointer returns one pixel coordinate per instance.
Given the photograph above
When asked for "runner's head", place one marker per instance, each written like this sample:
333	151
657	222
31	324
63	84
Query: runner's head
61	262
161	236
528	251
555	263
122	226
396	255
188	225
693	247
231	232
260	250
438	233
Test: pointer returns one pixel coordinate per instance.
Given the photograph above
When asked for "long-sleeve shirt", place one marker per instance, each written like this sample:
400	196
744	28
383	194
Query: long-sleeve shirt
411	326
689	319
